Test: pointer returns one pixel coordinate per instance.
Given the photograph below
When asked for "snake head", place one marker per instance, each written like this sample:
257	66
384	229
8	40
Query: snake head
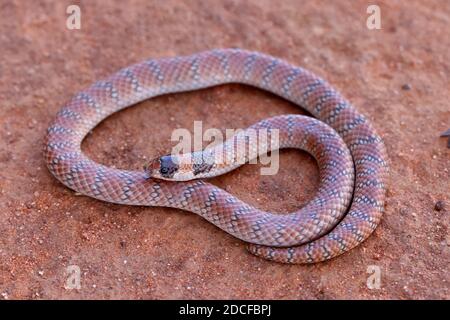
163	167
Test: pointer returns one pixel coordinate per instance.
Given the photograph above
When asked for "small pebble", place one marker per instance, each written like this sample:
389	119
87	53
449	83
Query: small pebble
30	205
439	205
406	87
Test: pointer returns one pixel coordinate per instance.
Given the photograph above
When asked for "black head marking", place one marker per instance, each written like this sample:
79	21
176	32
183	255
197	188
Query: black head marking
168	167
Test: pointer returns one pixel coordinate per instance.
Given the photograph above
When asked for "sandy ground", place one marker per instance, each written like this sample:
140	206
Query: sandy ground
147	253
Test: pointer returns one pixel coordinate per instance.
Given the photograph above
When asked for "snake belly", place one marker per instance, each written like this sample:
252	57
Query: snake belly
322	230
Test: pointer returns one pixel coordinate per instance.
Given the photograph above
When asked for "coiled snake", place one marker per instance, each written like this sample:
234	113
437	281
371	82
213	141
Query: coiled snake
323	229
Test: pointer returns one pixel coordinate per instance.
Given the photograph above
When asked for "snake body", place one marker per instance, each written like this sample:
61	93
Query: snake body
347	207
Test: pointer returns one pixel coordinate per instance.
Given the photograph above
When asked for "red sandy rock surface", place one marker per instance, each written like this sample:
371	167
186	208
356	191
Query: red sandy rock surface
146	253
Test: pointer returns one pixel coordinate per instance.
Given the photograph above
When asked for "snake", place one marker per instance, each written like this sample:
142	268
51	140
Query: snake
351	156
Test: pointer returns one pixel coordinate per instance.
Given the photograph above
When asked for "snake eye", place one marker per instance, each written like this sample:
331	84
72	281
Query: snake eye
164	171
